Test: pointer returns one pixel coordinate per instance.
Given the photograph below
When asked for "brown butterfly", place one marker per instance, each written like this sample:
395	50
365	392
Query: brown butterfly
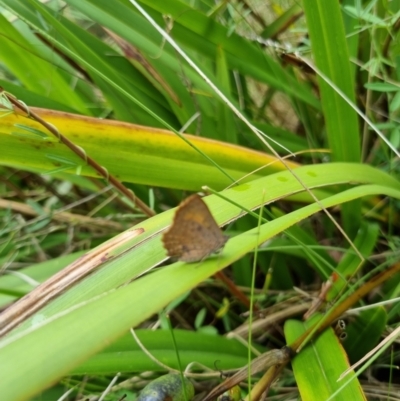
194	234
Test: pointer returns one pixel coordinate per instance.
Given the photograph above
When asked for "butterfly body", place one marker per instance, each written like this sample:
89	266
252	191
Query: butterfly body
194	234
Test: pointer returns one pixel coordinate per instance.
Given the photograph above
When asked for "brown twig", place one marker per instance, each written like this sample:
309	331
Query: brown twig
264	384
82	155
274	360
348	302
61	217
234	290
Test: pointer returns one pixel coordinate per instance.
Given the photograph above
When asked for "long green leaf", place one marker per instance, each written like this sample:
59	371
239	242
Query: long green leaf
68	338
329	46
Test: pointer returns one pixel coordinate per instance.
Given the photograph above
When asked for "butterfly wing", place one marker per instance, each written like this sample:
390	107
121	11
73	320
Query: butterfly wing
194	234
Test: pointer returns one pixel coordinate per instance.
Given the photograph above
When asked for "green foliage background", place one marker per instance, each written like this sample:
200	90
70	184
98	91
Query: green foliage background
220	71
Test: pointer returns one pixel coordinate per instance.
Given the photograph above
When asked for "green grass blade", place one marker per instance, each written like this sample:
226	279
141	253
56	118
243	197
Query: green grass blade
329	47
